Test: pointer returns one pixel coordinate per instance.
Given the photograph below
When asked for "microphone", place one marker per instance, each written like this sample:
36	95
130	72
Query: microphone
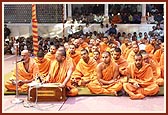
22	60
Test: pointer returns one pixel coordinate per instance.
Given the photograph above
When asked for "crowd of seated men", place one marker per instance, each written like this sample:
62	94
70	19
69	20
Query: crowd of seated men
105	63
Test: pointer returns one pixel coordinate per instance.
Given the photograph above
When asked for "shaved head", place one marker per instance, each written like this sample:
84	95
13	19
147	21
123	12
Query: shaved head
25	52
25	56
61	48
106	57
107	53
62	52
76	42
60	55
53	49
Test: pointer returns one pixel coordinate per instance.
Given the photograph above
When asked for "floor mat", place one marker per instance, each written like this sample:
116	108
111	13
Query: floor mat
85	91
6	92
82	90
161	92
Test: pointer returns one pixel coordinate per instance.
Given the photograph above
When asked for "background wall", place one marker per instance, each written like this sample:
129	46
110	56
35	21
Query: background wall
52	30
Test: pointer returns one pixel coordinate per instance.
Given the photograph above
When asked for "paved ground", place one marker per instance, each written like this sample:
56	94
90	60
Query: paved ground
81	104
84	104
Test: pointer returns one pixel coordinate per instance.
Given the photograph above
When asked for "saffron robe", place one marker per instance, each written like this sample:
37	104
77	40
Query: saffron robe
83	71
23	75
107	74
141	82
43	66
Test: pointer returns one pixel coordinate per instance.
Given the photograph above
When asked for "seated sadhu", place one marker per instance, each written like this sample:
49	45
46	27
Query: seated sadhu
155	68
26	71
158	53
106	77
124	45
43	64
127	50
51	55
73	54
84	69
122	63
141	82
131	55
96	56
60	72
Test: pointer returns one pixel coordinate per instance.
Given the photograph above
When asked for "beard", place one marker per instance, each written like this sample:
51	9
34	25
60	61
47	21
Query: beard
138	65
72	52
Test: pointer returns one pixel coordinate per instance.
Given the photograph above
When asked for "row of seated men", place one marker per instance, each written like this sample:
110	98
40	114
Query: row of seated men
103	69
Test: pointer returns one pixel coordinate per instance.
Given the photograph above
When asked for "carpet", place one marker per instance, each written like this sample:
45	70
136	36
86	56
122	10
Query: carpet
6	92
85	91
82	90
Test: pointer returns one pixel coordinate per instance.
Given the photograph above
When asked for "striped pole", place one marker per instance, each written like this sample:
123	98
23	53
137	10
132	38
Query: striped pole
34	30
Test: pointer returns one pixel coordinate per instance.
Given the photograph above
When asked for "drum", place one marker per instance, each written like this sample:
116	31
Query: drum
46	92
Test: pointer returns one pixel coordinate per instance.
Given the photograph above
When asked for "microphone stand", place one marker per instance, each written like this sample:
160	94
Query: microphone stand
17	100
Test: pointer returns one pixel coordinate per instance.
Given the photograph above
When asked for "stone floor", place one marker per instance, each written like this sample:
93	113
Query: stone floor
85	104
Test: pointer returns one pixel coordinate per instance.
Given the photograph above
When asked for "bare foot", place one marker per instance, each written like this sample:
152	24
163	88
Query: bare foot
115	93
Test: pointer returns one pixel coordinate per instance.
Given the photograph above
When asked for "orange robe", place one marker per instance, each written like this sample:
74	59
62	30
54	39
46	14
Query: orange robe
151	56
43	66
76	57
58	74
84	45
122	63
108	49
23	75
127	53
131	57
157	54
124	52
149	48
50	56
116	19
103	47
83	71
144	78
161	63
156	72
78	50
107	74
123	47
90	54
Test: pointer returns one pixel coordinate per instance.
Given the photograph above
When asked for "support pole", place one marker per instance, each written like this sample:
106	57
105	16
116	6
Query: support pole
16	100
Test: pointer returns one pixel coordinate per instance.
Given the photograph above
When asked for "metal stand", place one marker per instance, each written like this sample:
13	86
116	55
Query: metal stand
17	100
